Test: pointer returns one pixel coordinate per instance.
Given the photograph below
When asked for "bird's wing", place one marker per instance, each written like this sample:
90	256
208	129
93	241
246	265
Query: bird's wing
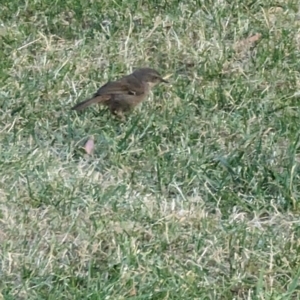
126	85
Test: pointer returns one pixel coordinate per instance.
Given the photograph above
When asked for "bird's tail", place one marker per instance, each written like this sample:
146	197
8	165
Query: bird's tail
96	99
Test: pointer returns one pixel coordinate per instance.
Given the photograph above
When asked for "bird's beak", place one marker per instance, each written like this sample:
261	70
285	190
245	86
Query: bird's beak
165	78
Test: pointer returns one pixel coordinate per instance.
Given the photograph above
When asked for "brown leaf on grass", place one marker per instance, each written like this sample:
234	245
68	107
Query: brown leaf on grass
89	146
247	43
132	292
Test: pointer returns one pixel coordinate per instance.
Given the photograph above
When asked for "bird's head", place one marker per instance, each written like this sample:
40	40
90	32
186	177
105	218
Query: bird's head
149	75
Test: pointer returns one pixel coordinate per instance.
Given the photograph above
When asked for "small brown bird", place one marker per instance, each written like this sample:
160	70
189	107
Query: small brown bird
124	94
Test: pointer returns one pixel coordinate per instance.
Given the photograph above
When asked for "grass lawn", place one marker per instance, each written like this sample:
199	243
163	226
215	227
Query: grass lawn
195	195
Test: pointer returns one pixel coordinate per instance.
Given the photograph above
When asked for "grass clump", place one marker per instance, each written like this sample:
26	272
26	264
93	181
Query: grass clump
194	196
